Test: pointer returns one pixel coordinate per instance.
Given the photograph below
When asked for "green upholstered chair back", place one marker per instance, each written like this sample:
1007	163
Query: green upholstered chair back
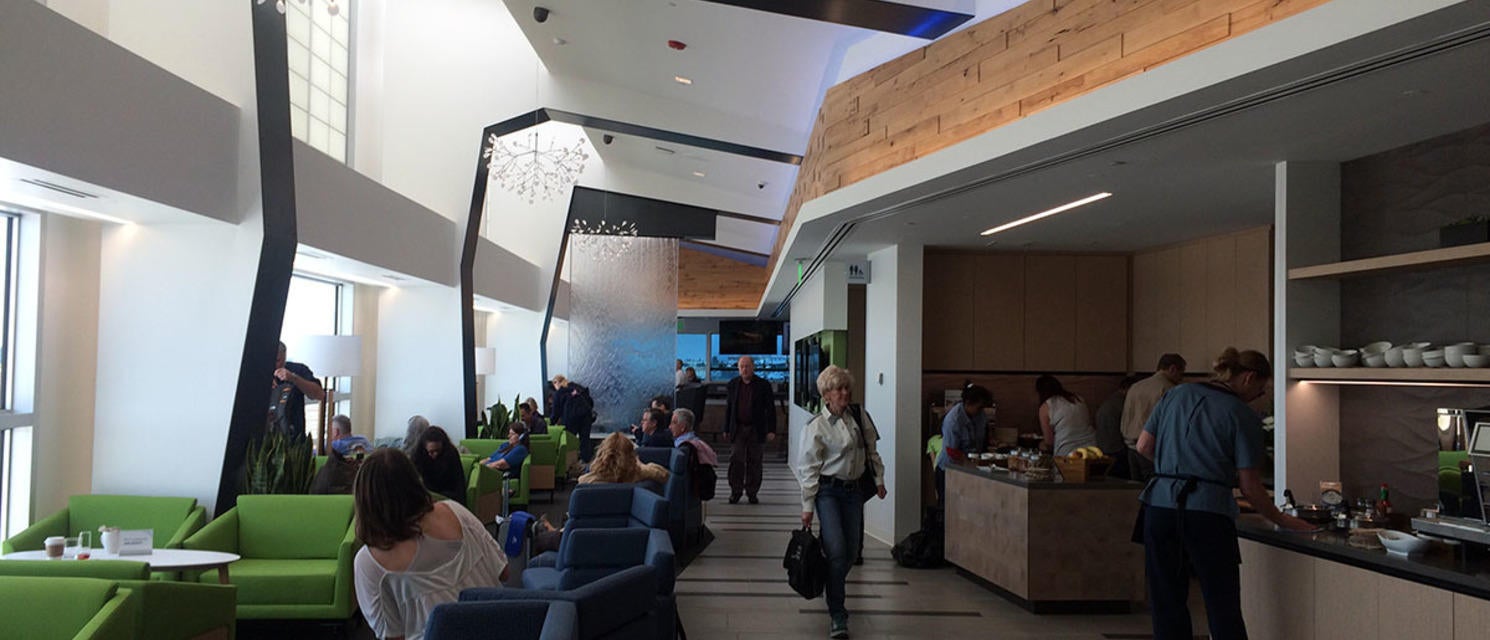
467	461
543	451
102	569
164	515
34	607
482	446
292	527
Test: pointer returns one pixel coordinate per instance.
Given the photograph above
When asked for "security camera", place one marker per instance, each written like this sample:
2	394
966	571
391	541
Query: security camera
760	185
608	138
540	14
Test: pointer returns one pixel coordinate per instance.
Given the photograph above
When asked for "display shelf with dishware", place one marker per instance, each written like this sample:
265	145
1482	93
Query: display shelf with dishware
1459	362
1430	259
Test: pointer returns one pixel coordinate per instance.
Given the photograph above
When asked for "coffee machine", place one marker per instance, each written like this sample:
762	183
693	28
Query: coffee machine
1472	525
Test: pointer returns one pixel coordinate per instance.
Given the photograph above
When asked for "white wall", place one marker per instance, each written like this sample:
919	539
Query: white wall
68	348
174	298
820	305
420	360
893	325
514	334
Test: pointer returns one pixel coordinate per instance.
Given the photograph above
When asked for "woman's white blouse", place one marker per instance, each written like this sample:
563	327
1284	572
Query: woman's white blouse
830	447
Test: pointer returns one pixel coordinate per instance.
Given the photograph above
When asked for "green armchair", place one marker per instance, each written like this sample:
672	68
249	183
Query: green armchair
34	607
489	502
173	519
297	555
167	610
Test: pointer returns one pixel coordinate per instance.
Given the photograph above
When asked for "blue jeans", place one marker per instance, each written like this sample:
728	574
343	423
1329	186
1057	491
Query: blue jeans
840	515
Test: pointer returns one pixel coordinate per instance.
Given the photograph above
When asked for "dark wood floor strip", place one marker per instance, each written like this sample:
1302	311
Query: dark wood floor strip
924	614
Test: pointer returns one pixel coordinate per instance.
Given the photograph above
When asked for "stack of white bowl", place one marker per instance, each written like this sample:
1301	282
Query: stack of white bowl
1384	354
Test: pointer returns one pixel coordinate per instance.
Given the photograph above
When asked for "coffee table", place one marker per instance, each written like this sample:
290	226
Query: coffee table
158	559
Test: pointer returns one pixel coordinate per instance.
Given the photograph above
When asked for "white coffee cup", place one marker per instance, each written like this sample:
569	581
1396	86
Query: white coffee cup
54	546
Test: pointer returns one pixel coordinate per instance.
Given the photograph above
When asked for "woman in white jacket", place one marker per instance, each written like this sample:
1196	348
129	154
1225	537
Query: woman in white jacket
837	446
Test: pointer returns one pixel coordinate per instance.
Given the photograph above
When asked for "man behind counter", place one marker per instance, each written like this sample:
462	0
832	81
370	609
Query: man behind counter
964	431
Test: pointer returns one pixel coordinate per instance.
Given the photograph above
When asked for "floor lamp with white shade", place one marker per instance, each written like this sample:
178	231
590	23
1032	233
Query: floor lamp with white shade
330	357
486	364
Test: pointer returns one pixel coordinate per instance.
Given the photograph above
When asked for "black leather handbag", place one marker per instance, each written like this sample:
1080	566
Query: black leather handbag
806	565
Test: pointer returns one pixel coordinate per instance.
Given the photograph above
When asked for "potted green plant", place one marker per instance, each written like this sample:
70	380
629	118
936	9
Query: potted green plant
1471	230
279	463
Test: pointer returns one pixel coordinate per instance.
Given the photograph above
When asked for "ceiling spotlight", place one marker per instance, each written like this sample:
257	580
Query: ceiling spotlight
607	138
699	174
540	15
1047	213
682	80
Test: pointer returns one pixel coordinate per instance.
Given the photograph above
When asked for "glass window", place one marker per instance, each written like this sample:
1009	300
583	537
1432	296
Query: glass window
319	307
10	233
15	480
15	429
693	350
320	64
771	366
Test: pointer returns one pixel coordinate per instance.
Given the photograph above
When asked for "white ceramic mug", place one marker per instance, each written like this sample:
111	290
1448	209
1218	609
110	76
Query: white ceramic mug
111	541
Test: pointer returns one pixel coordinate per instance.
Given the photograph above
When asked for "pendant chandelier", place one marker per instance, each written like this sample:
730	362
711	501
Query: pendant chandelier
604	240
524	166
333	7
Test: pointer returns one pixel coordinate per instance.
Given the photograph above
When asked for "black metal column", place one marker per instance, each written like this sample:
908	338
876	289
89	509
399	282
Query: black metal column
276	251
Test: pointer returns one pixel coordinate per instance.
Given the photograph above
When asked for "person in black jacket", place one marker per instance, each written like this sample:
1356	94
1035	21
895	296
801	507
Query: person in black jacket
749	422
439	465
574	408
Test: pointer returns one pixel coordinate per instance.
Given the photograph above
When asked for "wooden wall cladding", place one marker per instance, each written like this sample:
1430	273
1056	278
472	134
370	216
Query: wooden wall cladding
1201	297
1025	312
1031	57
707	281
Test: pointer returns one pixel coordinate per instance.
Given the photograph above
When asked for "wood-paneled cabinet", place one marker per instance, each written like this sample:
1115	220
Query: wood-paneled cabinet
1025	312
1201	297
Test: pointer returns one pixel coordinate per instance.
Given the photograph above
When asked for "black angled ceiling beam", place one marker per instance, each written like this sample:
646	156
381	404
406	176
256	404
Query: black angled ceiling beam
540	116
879	15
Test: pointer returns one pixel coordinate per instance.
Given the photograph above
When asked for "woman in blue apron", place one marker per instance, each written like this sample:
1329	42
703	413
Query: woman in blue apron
1204	440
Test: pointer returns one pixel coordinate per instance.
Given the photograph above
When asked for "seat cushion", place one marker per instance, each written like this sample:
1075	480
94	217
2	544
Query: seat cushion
163	515
292	526
542	578
280	581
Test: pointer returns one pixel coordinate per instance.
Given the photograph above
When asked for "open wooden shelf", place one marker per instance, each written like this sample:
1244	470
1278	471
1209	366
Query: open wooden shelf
1452	256
1364	374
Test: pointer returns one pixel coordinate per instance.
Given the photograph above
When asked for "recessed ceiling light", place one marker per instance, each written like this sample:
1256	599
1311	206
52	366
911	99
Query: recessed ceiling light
682	80
1047	213
699	174
560	41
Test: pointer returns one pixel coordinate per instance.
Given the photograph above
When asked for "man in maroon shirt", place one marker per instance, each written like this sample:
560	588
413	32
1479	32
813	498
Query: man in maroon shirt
749	422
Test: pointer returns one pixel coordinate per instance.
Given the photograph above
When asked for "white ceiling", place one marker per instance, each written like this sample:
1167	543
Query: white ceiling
767	69
1204	179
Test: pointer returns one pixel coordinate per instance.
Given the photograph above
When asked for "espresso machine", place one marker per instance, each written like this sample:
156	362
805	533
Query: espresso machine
1471	428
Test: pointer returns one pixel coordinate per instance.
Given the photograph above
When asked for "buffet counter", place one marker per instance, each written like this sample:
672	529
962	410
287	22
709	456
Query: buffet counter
1049	546
1317	586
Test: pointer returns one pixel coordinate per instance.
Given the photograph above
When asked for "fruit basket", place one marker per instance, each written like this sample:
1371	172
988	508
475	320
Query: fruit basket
1084	465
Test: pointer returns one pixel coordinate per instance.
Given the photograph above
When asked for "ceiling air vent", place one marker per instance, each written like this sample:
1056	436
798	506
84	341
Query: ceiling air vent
58	188
394	278
665	150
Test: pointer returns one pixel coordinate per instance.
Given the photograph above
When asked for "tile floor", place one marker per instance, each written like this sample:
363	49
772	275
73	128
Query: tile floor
736	590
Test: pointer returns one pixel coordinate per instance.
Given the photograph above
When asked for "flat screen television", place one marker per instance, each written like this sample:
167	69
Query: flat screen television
748	337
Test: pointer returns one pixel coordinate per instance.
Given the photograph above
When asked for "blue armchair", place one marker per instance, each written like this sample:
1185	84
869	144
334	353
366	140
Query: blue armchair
586	555
517	620
610	506
620	606
685	512
616	506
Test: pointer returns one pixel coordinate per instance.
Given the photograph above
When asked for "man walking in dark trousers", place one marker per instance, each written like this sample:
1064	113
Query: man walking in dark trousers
749	422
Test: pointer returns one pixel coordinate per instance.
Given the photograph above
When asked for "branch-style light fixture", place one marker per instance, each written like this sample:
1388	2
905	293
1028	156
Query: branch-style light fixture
589	237
333	7
531	170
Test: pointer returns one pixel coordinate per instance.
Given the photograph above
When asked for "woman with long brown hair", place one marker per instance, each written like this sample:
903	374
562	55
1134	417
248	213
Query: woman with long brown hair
1204	440
616	461
419	553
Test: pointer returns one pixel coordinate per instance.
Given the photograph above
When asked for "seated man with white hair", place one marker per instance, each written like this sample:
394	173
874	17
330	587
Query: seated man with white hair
700	453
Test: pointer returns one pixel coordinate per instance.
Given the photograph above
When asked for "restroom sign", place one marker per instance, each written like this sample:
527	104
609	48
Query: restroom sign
858	272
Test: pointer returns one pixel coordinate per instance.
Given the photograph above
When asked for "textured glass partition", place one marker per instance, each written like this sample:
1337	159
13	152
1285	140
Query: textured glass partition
623	322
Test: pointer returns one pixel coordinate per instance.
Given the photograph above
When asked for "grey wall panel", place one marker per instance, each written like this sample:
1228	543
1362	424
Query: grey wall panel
78	105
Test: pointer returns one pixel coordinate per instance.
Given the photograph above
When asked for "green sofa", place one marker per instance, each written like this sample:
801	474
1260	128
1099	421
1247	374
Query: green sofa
167	610
34	607
173	519
297	555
